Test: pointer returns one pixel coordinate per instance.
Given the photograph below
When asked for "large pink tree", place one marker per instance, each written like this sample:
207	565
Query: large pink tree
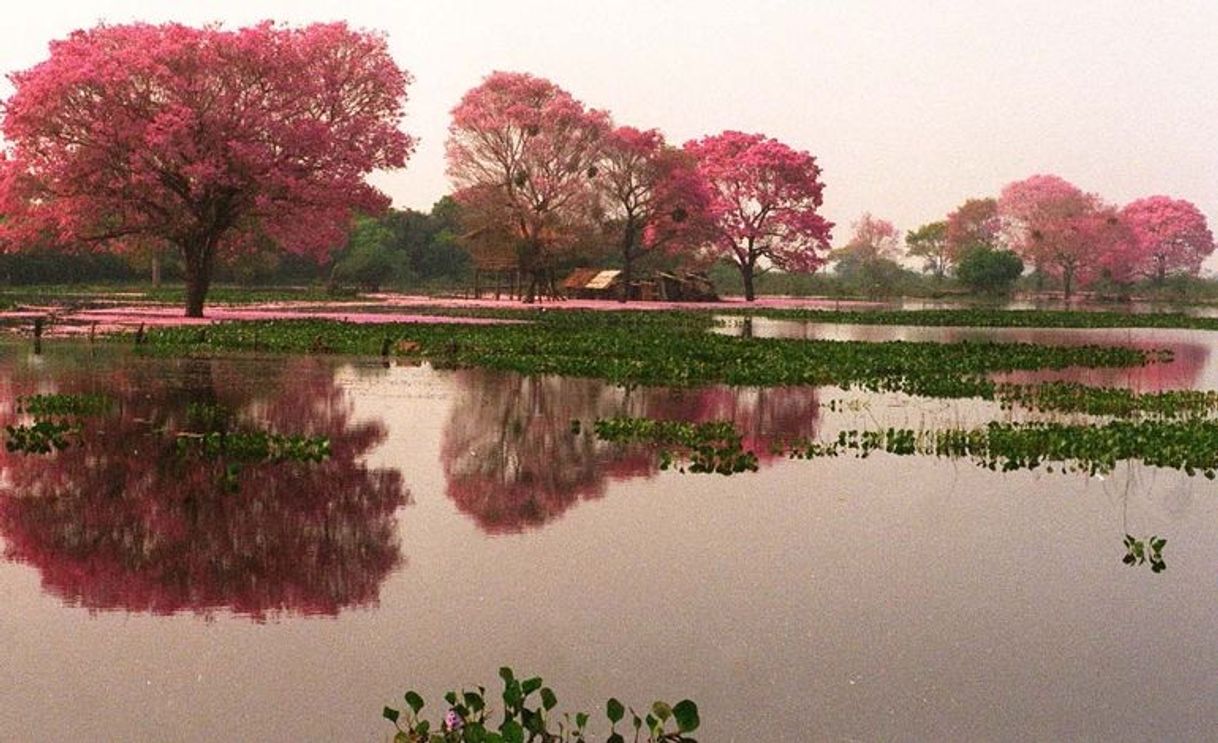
1054	225
651	194
1172	235
206	139
522	154
765	201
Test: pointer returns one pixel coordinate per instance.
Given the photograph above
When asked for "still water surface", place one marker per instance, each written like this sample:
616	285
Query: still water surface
460	525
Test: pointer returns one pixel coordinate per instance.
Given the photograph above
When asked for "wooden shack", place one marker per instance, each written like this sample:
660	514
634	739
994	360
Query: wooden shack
680	286
593	283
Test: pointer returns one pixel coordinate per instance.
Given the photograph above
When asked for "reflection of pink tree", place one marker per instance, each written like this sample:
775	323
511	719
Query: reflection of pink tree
1181	373
122	523
513	462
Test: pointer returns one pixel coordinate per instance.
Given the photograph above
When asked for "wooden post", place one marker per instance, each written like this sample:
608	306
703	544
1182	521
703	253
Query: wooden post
38	335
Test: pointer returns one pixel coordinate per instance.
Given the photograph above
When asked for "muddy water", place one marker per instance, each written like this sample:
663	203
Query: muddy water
460	525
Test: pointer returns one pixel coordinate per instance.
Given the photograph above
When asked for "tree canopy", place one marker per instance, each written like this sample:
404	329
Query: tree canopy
211	140
765	203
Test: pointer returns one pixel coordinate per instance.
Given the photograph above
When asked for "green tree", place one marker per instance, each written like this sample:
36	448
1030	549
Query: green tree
988	271
370	261
929	242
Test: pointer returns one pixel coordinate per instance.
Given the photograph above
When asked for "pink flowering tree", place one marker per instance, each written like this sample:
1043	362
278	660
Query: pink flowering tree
764	204
522	154
652	196
1054	225
1172	236
873	239
209	140
973	224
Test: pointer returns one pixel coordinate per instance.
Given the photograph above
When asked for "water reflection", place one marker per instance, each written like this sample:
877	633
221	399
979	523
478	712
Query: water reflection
512	461
1192	366
120	522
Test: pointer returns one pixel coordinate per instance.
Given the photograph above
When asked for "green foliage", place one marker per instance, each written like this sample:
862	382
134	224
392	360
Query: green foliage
711	447
254	446
208	417
870	276
469	718
929	242
988	271
669	349
1071	397
369	260
1141	551
40	437
1188	445
405	249
62	405
52	266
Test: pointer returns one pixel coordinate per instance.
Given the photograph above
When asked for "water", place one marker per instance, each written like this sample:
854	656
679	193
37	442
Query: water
460	525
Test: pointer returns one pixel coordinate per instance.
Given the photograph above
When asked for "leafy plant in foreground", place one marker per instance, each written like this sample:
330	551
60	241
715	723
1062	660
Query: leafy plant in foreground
710	447
1141	551
1190	445
468	719
40	437
62	404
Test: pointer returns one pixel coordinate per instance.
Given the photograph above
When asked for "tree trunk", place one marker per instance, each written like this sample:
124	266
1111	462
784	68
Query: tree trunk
530	295
1068	282
746	273
627	277
198	255
156	268
628	255
1160	270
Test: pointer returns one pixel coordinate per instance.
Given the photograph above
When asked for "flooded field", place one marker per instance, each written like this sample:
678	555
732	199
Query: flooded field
460	523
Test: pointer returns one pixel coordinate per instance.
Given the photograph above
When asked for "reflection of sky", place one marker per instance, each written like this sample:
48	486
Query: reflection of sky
1193	365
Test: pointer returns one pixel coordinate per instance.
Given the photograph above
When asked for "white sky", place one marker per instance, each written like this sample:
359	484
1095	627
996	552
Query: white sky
910	107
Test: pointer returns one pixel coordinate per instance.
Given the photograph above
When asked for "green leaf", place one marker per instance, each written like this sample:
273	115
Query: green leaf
532	721
616	738
415	701
474	701
686	715
661	710
652	723
581	720
401	737
506	674
512	732
548	700
391	714
528	686
614	710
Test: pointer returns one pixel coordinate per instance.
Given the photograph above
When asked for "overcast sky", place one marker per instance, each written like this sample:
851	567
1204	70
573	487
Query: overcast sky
911	107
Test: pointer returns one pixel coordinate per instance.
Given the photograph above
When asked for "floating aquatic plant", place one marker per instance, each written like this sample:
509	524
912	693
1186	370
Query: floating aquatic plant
526	717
